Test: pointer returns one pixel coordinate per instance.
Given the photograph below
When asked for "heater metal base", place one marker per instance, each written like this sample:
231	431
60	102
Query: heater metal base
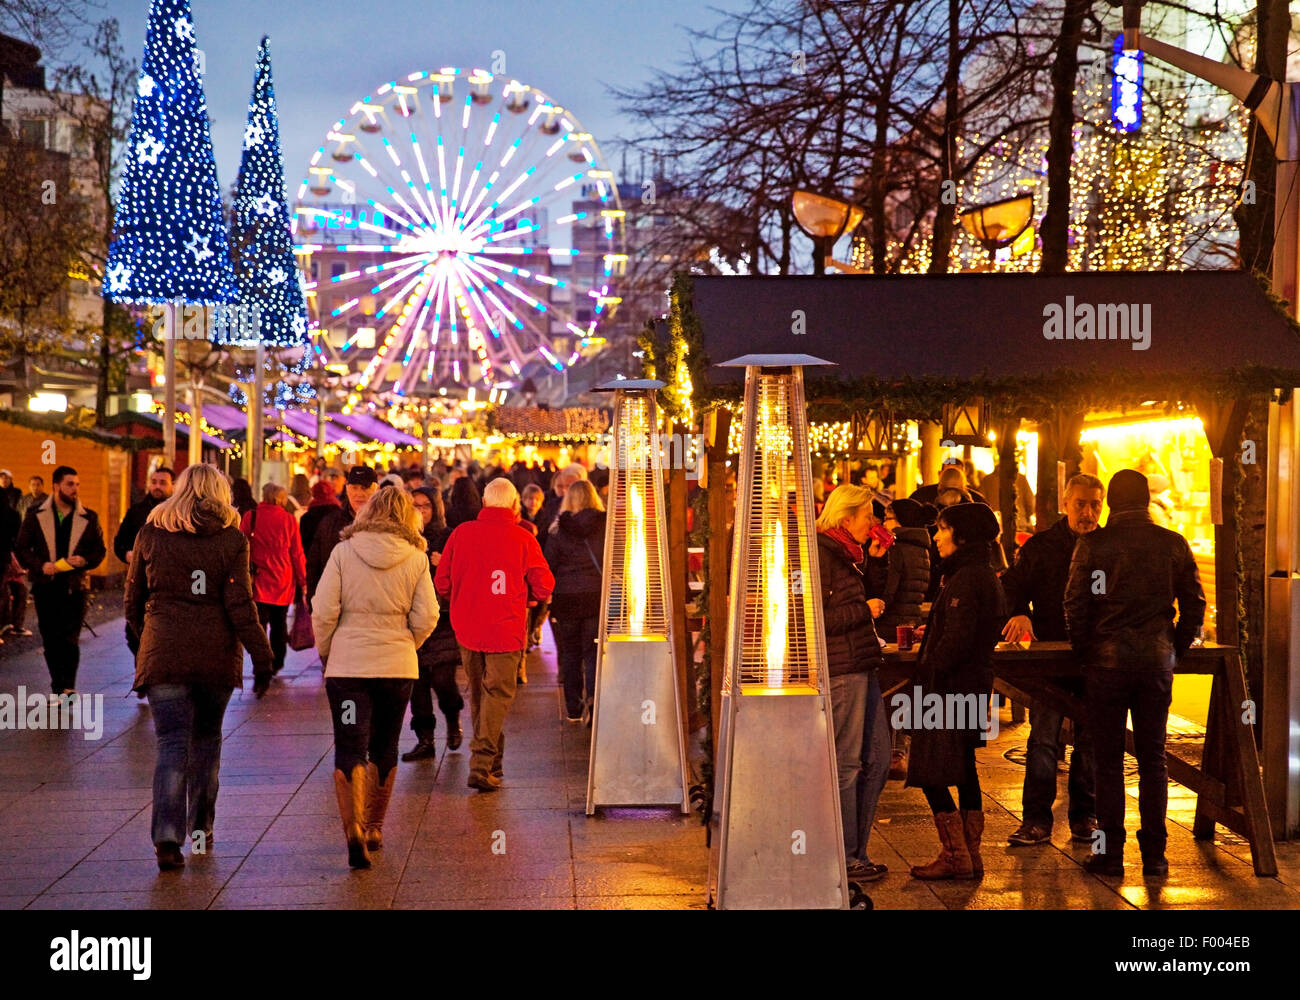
638	757
777	841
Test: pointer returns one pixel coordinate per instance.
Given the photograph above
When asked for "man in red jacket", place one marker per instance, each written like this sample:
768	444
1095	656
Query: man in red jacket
491	571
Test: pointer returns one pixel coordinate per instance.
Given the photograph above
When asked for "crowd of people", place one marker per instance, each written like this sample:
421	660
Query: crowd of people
408	577
1127	597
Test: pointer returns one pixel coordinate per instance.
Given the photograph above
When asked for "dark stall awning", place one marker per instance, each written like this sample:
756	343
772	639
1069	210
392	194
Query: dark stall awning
1000	325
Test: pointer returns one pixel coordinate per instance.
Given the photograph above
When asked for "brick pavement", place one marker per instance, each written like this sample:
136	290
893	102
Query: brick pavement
74	822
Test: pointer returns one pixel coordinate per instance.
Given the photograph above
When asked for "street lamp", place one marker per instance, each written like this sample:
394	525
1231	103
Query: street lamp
777	839
999	223
825	219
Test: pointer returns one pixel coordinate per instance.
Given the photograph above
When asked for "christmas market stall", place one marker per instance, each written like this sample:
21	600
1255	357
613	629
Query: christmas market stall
1186	377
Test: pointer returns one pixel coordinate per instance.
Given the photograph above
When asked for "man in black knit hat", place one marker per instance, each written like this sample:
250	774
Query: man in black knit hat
1119	613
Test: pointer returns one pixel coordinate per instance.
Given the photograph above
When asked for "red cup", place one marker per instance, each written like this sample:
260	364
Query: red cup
906	636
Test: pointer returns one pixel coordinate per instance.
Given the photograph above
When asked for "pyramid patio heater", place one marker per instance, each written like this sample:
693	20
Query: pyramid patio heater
638	754
777	840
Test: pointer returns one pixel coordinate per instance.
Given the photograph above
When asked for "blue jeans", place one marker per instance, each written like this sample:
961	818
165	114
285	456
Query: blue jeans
1040	769
187	720
861	755
876	750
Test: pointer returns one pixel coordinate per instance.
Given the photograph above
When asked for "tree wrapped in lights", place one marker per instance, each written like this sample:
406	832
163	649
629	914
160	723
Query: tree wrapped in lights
170	243
267	271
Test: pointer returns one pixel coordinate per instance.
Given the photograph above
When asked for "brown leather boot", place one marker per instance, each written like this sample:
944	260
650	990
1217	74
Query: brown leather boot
377	797
350	792
954	859
972	822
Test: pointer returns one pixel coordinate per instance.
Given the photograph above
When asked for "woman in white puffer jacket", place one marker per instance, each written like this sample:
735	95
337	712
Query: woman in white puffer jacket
373	608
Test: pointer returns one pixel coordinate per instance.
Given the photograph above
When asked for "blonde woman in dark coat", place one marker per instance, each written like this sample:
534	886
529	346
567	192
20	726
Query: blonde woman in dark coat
189	602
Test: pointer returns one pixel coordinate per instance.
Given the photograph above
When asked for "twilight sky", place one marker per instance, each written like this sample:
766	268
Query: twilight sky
327	54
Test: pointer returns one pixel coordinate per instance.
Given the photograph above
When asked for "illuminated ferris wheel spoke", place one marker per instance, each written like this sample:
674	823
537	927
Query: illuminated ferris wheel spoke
469	276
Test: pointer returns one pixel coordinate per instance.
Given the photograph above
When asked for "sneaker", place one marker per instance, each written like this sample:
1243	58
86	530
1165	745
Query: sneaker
865	871
855	869
1109	865
423	750
1081	831
483	782
1156	867
1030	834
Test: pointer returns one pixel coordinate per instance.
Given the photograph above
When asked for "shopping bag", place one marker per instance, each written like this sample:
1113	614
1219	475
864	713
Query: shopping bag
301	635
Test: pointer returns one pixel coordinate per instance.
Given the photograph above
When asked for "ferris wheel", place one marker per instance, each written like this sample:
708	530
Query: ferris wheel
457	228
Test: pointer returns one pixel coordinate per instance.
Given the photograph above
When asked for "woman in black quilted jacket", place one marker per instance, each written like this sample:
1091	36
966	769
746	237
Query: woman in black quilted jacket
852	656
956	665
575	550
439	656
908	575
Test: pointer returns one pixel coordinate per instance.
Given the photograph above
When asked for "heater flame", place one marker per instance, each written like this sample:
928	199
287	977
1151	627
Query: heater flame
777	603
634	572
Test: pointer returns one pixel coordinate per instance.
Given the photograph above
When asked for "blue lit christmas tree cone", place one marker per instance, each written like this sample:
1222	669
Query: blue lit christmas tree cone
638	750
169	245
272	311
777	840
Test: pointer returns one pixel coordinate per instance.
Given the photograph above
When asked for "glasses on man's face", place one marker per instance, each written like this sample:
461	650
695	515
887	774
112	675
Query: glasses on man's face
424	506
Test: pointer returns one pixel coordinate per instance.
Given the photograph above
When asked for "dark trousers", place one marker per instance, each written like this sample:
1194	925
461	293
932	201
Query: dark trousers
276	616
13	604
187	722
435	679
367	713
59	615
1040	769
1111	696
968	792
575	647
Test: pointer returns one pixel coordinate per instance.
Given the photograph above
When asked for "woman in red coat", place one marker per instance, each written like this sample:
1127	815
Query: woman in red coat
276	562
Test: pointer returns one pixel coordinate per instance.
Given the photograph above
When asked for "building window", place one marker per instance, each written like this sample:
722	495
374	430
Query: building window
338	268
32	132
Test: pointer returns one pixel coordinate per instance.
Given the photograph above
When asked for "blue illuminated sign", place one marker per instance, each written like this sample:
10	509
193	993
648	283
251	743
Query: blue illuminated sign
1126	88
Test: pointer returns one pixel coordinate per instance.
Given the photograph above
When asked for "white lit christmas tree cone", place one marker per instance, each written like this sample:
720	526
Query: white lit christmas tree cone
638	751
777	838
170	246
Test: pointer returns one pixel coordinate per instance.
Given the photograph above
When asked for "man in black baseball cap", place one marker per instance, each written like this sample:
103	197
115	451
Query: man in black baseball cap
361	484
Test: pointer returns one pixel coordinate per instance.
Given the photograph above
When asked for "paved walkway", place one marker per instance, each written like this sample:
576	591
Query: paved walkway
74	822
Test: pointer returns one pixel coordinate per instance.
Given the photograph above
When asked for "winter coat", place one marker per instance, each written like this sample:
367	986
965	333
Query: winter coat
1119	598
323	541
136	516
190	603
547	513
956	658
374	605
275	554
1035	585
10	523
310	521
36	546
441	646
575	552
907	579
490	569
851	643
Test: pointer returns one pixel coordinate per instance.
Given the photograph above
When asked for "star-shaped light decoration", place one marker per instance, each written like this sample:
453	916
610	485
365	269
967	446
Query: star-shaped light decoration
300	326
265	205
277	275
145	87
118	276
198	247
149	150
253	135
184	28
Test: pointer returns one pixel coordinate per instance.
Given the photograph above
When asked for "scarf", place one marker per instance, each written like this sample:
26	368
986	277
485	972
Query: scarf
852	548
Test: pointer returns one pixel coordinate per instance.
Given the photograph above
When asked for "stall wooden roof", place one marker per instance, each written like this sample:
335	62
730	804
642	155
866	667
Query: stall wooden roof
964	326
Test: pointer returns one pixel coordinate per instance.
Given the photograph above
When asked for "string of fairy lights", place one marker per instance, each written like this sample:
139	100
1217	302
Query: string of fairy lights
1157	198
